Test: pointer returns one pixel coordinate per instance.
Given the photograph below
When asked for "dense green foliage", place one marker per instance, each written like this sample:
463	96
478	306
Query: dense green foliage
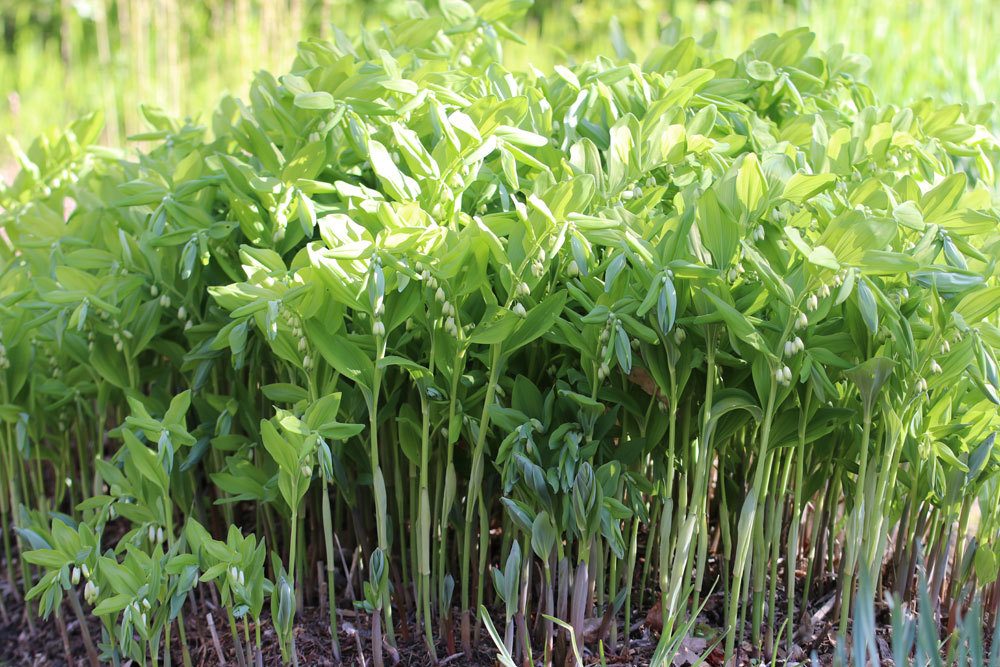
60	59
615	328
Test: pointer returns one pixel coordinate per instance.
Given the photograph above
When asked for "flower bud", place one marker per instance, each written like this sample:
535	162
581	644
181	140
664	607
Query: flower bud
439	295
151	533
573	270
90	592
679	335
935	367
286	604
521	210
518	310
74	577
812	303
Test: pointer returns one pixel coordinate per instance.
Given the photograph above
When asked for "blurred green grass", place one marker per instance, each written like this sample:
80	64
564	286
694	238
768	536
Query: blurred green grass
61	58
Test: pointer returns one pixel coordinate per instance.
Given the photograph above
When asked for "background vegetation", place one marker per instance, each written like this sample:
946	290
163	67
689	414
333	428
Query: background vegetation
540	351
60	58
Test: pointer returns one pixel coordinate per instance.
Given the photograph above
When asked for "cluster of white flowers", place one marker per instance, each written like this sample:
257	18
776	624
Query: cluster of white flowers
793	347
632	192
237	575
801	322
155	534
137	612
783	376
182	313
378	305
538	265
279	210
64	177
758	233
90	592
90	589
611	327
447	308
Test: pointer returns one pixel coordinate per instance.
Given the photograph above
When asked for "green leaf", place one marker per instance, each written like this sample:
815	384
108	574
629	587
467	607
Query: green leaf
145	461
283	392
345	357
868	306
976	306
398	186
869	377
48	558
538	321
801	187
751	186
318	101
986	565
719	231
761	70
495	327
737	323
941	200
281	450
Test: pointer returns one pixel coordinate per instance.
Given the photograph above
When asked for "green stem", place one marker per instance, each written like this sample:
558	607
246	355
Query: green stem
475	480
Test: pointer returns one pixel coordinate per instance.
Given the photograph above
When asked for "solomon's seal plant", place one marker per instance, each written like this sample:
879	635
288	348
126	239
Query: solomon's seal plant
682	332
